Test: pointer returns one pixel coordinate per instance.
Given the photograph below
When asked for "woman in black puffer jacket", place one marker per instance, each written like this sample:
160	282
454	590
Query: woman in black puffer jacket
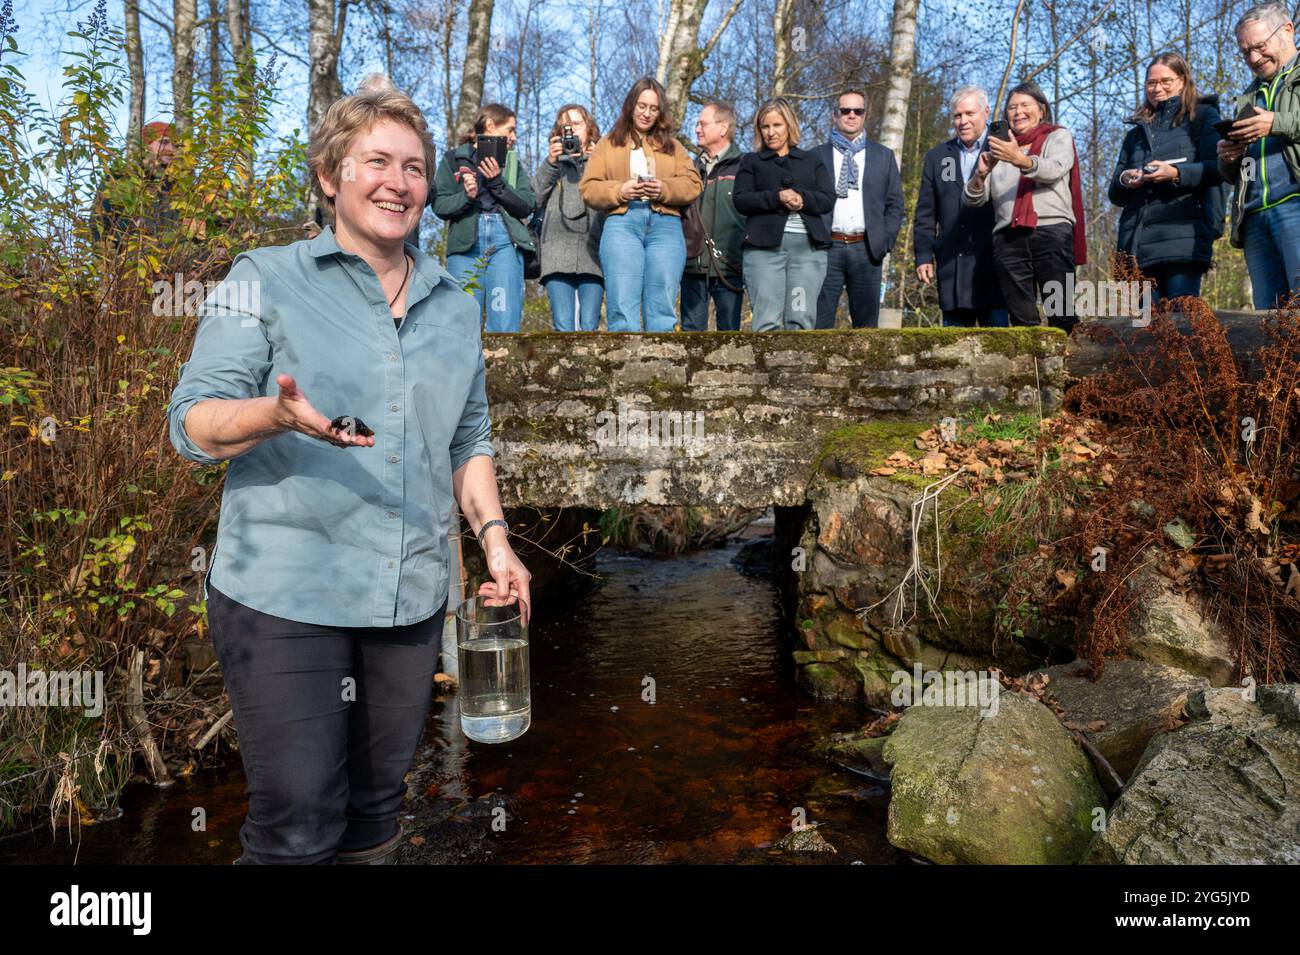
1172	214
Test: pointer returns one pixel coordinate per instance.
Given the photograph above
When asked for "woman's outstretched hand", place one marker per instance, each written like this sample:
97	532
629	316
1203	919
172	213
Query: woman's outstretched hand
296	413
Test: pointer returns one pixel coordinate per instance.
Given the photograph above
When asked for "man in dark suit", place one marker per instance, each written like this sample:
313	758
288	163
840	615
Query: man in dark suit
954	241
867	216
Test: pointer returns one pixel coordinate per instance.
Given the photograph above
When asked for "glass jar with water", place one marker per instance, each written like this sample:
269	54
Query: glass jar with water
492	654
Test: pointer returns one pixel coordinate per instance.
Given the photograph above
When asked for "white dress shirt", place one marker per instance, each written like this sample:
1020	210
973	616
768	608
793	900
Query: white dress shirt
848	217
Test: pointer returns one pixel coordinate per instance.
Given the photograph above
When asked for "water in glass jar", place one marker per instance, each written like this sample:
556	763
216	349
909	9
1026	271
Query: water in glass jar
495	704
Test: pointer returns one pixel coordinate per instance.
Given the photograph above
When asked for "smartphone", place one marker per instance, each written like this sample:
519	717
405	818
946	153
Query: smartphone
1000	129
642	177
1224	126
1152	167
494	146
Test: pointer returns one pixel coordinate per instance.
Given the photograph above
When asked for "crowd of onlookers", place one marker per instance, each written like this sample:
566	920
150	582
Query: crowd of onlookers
999	216
631	219
629	223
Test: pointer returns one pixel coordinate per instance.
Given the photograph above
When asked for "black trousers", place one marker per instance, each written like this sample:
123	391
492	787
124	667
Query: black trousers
1029	261
849	266
328	721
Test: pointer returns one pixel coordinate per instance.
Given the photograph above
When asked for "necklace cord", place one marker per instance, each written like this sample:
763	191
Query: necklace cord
407	260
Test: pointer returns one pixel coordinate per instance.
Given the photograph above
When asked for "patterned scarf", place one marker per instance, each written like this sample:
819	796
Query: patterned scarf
848	168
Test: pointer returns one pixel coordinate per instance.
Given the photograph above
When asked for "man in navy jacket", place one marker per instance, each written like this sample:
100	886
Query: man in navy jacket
867	216
954	241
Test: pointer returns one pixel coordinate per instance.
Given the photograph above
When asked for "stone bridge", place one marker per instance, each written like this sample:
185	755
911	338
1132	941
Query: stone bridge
717	418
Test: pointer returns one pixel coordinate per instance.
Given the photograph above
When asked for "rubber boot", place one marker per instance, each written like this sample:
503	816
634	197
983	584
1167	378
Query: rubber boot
383	854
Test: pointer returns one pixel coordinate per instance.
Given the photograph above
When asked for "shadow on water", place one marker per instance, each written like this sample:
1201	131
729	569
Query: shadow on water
713	771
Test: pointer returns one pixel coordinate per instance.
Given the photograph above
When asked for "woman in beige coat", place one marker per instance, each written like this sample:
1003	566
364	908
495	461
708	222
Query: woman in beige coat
641	178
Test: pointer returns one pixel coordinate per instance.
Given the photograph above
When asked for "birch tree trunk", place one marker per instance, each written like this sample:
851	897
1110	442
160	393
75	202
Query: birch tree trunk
447	45
475	67
902	61
893	125
593	46
184	26
681	58
237	28
680	61
135	67
325	25
781	57
214	45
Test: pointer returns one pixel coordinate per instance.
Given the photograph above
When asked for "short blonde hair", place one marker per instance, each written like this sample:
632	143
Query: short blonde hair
779	105
351	116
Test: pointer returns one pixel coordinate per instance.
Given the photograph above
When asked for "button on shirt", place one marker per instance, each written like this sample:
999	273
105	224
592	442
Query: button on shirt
849	217
349	537
970	155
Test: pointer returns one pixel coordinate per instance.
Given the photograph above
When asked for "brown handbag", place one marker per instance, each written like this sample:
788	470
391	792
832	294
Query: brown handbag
693	231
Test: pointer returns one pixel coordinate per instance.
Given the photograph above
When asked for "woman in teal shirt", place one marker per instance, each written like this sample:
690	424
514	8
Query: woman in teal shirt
328	586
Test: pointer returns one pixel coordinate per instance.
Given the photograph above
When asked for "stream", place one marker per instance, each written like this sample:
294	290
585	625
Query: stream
715	770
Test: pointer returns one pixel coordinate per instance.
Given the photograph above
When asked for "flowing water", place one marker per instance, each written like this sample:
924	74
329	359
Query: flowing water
666	727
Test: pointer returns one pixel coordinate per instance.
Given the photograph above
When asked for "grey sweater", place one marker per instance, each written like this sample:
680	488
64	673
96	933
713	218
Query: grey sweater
570	230
1051	174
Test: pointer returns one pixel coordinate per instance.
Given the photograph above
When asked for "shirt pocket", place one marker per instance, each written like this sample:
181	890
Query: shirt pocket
442	356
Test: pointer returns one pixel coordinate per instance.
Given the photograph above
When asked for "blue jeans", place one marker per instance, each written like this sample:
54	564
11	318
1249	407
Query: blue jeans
575	301
1272	246
501	284
696	292
642	253
1173	282
976	317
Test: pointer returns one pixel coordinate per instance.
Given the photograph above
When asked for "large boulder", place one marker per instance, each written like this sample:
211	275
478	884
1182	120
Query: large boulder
1010	787
1173	630
1130	702
1225	788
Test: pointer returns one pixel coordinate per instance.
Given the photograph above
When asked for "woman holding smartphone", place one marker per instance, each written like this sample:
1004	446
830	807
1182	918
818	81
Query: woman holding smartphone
1031	176
1167	181
570	240
641	178
485	202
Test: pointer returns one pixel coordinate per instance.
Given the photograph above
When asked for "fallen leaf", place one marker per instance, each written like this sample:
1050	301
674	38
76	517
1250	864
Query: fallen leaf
1178	532
934	462
1255	517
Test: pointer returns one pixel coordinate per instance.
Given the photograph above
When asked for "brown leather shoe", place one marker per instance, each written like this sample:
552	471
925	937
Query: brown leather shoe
383	854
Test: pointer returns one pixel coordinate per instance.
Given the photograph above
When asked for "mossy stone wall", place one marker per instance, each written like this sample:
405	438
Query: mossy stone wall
767	402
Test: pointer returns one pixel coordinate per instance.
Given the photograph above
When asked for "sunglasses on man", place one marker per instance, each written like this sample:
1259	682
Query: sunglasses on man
854	110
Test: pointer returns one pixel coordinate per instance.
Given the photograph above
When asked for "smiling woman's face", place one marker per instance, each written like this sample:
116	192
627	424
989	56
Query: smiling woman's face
382	185
1023	112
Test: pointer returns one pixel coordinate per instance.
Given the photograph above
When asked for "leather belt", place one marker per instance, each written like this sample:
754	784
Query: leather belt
848	237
